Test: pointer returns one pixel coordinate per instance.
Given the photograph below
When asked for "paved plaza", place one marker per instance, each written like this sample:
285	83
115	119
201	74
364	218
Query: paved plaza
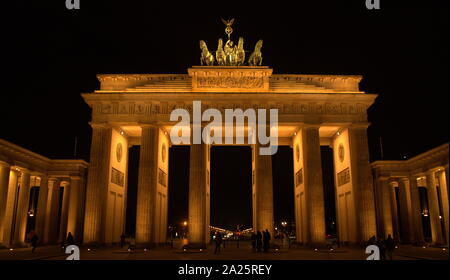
231	252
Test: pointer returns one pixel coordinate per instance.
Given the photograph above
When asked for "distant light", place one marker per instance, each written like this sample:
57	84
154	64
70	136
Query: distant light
331	249
145	250
89	249
443	249
440	217
295	133
423	247
184	250
404	156
396	247
338	133
201	250
276	249
315	249
11	249
121	132
129	250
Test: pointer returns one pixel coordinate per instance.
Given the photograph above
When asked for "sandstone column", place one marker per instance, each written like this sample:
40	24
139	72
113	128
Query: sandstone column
416	215
4	182
97	184
394	210
263	191
42	208
8	227
51	213
433	204
405	209
362	182
198	224
443	187
385	205
312	165
146	194
22	208
64	212
74	218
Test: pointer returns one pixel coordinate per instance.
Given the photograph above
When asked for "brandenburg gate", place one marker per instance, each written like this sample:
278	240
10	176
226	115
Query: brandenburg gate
313	110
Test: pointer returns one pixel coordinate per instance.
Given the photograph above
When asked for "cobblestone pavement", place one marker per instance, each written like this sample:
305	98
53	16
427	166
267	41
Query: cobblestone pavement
231	252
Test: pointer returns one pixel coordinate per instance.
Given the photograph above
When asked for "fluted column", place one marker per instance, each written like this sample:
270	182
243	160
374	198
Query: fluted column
4	182
362	182
263	191
64	212
22	208
312	165
416	215
433	204
51	213
97	185
405	209
198	198
8	226
74	217
394	208
42	208
147	183
385	205
443	187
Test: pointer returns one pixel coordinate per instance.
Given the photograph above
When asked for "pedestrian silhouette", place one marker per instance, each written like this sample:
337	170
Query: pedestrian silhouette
34	240
253	241
381	246
266	240
69	239
218	241
259	241
122	240
390	245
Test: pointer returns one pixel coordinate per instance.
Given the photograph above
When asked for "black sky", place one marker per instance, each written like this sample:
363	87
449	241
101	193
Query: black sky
51	55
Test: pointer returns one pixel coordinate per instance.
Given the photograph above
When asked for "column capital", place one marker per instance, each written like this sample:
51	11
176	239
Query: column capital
142	125
364	125
311	125
99	125
403	179
75	177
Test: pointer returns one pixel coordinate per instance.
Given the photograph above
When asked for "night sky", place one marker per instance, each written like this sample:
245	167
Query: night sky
51	55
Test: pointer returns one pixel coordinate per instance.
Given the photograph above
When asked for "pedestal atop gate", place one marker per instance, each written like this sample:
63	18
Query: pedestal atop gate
230	78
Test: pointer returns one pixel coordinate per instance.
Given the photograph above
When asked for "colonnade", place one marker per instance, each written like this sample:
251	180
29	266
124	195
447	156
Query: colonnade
54	215
402	209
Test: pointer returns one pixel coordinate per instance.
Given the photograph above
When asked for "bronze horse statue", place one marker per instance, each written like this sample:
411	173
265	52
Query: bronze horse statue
255	58
206	58
240	53
220	54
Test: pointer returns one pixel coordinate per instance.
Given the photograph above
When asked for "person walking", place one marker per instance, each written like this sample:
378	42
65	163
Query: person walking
258	241
380	244
34	241
122	240
70	240
390	245
266	240
253	242
218	241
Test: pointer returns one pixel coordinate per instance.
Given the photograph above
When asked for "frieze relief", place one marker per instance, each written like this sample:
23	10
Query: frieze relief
131	108
230	82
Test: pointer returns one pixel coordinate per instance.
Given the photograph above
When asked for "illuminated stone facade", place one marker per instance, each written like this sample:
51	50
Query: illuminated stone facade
402	208
314	110
134	109
60	200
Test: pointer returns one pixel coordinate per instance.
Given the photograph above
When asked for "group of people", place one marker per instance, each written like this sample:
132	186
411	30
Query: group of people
386	246
261	241
33	238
